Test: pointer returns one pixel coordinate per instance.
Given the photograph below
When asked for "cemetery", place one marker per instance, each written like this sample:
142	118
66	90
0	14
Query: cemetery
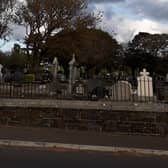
71	74
50	83
90	104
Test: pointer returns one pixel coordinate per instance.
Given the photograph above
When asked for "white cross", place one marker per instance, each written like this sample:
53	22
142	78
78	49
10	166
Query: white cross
144	73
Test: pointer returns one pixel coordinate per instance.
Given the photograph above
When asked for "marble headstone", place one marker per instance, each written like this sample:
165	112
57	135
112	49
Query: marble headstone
121	91
145	84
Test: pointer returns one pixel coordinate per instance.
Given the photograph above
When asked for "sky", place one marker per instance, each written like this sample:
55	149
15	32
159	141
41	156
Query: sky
121	18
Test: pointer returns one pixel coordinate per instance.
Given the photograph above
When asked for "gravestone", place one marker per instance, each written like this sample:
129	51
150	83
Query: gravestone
121	91
145	85
79	89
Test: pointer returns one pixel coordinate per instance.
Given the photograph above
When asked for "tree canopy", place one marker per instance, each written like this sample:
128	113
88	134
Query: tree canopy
5	15
148	51
138	59
45	18
150	43
92	47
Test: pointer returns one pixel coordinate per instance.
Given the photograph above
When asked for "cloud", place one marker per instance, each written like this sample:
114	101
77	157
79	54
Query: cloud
124	29
133	16
155	10
16	37
123	18
150	9
18	32
7	46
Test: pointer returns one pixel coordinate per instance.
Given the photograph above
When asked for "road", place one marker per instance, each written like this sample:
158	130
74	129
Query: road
30	158
83	138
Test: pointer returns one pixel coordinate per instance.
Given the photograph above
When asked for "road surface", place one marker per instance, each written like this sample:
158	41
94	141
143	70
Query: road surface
30	158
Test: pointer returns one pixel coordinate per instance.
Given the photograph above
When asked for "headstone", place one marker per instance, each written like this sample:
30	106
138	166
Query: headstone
79	89
145	84
121	91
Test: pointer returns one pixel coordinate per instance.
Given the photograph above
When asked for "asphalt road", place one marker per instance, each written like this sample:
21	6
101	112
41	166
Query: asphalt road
30	158
83	138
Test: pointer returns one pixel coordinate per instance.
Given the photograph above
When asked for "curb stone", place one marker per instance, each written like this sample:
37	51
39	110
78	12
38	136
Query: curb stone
17	143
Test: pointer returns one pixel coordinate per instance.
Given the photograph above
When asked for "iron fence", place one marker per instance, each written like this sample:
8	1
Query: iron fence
116	90
25	90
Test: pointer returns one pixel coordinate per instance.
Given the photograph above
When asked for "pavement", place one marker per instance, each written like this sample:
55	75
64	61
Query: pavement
77	140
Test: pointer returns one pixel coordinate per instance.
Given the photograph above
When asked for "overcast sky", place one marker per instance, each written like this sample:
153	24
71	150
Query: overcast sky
122	18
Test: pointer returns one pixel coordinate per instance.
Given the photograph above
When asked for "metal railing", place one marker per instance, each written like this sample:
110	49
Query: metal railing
24	90
117	90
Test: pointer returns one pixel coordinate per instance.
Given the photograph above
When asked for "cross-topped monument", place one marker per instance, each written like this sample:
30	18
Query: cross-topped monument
145	84
144	73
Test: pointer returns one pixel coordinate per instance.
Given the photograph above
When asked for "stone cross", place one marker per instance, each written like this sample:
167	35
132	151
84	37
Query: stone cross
144	73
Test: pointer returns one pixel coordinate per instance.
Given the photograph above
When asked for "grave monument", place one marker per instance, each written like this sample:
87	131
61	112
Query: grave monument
145	84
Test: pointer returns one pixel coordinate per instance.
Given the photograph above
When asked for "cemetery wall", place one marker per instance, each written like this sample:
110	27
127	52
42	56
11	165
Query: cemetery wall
86	105
99	116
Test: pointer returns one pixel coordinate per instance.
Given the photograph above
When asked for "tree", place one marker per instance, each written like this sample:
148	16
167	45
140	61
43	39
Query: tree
150	43
17	58
5	16
3	58
148	51
45	18
93	48
138	59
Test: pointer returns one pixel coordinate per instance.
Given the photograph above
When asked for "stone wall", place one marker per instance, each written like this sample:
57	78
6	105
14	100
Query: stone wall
99	116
